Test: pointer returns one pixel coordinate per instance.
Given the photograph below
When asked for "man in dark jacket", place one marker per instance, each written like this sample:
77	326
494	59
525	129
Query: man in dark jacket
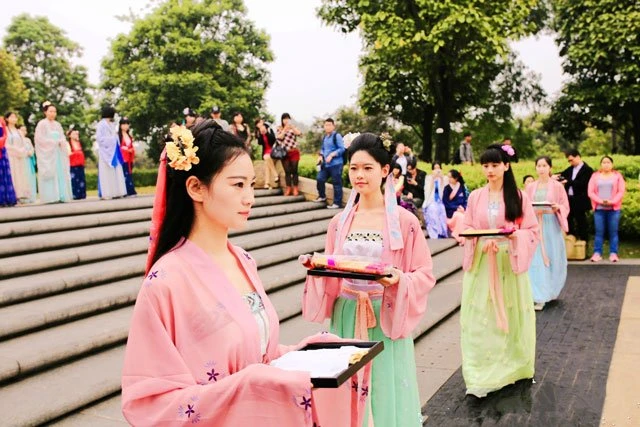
576	181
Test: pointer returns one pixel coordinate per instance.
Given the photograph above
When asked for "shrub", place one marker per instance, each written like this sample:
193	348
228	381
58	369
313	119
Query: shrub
141	178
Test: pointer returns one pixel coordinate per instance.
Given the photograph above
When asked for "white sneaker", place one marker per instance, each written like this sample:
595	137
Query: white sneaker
538	306
320	200
333	206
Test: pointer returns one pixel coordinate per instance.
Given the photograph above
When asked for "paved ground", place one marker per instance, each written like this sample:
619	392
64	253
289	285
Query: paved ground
576	336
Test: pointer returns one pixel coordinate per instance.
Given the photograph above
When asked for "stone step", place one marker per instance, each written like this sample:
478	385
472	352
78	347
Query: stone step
14	246
48	225
98	376
93	206
49	260
46	312
80	207
57	281
38	285
79	383
33	352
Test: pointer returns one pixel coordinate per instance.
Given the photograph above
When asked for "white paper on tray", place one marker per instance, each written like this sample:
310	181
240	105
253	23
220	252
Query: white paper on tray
320	363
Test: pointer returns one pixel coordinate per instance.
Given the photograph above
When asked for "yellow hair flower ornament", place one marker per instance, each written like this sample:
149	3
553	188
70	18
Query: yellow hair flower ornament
180	151
386	140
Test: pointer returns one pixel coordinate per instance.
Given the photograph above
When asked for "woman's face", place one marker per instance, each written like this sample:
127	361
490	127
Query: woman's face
437	170
528	181
494	171
543	169
238	119
452	180
125	127
74	135
365	173
51	113
286	121
189	120
606	165
12	119
227	200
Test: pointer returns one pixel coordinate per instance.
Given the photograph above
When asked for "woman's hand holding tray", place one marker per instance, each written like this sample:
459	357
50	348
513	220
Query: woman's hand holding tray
330	364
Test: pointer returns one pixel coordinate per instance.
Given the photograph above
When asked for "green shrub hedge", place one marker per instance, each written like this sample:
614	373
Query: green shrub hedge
141	178
629	166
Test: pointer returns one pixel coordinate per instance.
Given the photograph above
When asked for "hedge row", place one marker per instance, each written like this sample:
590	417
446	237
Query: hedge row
141	178
629	166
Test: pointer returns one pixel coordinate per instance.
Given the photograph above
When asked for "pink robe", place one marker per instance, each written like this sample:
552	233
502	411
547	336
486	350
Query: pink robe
193	355
555	194
404	304
522	243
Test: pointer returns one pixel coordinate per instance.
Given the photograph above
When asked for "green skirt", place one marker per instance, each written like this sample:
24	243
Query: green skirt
492	358
395	401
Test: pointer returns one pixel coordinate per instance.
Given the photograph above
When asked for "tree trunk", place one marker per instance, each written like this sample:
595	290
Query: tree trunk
427	131
635	123
442	140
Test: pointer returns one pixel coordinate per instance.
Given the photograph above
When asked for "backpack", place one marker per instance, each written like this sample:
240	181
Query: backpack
345	157
456	157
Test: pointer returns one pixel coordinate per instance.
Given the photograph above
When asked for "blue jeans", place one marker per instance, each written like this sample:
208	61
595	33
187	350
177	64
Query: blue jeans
606	221
335	172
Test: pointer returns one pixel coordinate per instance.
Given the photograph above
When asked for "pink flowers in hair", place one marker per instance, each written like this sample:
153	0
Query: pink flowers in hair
509	150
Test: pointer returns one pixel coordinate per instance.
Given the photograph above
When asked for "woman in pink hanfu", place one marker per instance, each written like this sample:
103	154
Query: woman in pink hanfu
387	310
203	329
498	324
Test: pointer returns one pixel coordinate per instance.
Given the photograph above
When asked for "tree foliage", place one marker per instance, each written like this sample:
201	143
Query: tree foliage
428	62
13	92
46	58
600	44
188	54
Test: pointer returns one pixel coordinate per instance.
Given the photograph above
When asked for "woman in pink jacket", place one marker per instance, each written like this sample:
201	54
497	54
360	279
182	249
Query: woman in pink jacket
387	310
606	189
496	314
548	272
203	331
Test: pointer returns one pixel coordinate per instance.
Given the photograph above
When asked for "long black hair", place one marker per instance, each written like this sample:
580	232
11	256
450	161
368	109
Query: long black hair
374	146
216	149
457	176
123	121
510	192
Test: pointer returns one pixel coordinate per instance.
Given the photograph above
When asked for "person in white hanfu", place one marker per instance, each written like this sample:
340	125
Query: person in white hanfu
111	182
52	155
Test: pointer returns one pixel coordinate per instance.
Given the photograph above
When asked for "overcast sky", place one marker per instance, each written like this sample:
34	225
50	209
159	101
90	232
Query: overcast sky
315	69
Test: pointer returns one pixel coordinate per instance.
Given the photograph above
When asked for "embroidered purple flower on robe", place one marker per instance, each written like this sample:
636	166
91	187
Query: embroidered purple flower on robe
306	403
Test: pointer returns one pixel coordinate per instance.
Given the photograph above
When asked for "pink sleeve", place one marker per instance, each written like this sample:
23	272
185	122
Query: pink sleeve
617	198
320	293
562	200
524	241
593	189
404	304
470	244
158	388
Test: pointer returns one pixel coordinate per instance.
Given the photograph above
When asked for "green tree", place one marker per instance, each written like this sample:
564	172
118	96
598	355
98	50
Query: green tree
188	54
429	62
600	43
13	92
45	56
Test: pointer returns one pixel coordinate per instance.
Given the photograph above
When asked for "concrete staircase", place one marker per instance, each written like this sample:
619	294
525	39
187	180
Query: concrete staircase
69	276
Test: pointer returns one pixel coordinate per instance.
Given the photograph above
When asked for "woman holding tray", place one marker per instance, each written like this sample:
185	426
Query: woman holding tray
386	310
548	271
498	330
203	329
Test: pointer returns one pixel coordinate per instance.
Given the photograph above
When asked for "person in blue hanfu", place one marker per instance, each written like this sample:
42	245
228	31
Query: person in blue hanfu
548	271
111	183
